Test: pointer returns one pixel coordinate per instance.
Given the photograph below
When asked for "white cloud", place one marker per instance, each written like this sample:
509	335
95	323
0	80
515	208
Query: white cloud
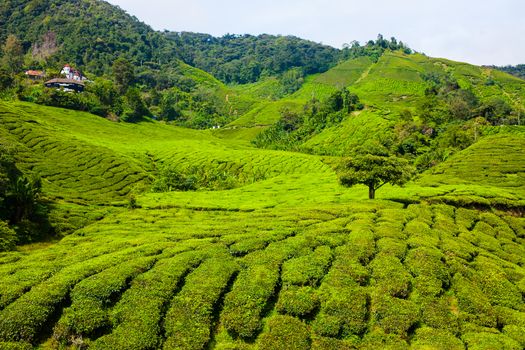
480	32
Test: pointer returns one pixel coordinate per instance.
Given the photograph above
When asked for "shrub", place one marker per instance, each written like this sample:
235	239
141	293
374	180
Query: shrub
515	332
244	305
136	317
484	340
24	318
420	234
15	346
507	316
431	274
286	333
308	269
466	218
173	178
458	247
495	285
347	306
346	270
297	301
378	339
430	338
327	325
391	246
473	304
255	285
441	313
389	276
361	246
7	237
324	343
91	297
188	323
521	286
394	315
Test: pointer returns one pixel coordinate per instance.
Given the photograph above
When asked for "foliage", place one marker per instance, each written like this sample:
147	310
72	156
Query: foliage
246	58
190	315
285	332
173	178
89	35
12	58
20	202
518	70
373	49
123	74
295	128
297	301
286	257
375	169
8	238
135	109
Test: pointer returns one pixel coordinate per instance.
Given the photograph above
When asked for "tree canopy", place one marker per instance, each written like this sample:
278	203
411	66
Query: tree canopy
375	168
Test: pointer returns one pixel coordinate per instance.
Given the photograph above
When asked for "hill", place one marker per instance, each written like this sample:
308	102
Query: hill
289	257
153	235
244	59
518	70
89	34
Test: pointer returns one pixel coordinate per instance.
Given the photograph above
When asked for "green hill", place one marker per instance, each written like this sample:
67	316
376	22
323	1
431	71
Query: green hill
287	256
89	34
150	235
246	58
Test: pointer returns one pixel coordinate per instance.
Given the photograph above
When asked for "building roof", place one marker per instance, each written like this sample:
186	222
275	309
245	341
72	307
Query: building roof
35	72
64	81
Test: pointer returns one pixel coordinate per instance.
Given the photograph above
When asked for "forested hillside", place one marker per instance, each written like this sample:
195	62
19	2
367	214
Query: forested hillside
90	34
245	59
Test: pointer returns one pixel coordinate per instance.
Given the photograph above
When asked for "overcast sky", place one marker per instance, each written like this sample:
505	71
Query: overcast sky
474	31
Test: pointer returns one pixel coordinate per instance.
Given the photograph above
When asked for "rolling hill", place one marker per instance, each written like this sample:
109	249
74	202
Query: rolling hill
290	257
165	237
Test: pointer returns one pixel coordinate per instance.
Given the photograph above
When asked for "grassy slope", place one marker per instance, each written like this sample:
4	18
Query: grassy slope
386	87
417	275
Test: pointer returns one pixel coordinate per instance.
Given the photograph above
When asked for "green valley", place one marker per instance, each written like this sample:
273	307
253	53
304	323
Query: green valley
192	196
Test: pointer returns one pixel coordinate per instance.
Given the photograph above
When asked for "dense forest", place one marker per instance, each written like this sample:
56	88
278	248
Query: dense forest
87	34
246	58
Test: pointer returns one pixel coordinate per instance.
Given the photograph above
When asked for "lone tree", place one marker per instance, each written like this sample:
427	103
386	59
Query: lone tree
374	169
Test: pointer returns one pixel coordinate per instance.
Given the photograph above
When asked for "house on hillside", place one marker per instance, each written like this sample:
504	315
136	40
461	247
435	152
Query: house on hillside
72	73
72	80
69	85
35	74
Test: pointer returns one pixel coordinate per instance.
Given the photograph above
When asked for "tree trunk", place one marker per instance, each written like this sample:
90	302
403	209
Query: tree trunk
371	192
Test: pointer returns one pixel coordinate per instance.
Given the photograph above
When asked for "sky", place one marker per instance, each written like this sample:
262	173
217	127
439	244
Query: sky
482	32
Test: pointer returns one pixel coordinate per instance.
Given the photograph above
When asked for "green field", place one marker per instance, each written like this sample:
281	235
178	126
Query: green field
287	259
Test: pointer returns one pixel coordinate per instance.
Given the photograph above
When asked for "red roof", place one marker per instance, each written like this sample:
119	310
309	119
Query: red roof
35	73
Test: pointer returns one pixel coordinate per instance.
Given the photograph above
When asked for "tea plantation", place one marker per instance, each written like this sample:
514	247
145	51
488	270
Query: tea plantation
286	258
